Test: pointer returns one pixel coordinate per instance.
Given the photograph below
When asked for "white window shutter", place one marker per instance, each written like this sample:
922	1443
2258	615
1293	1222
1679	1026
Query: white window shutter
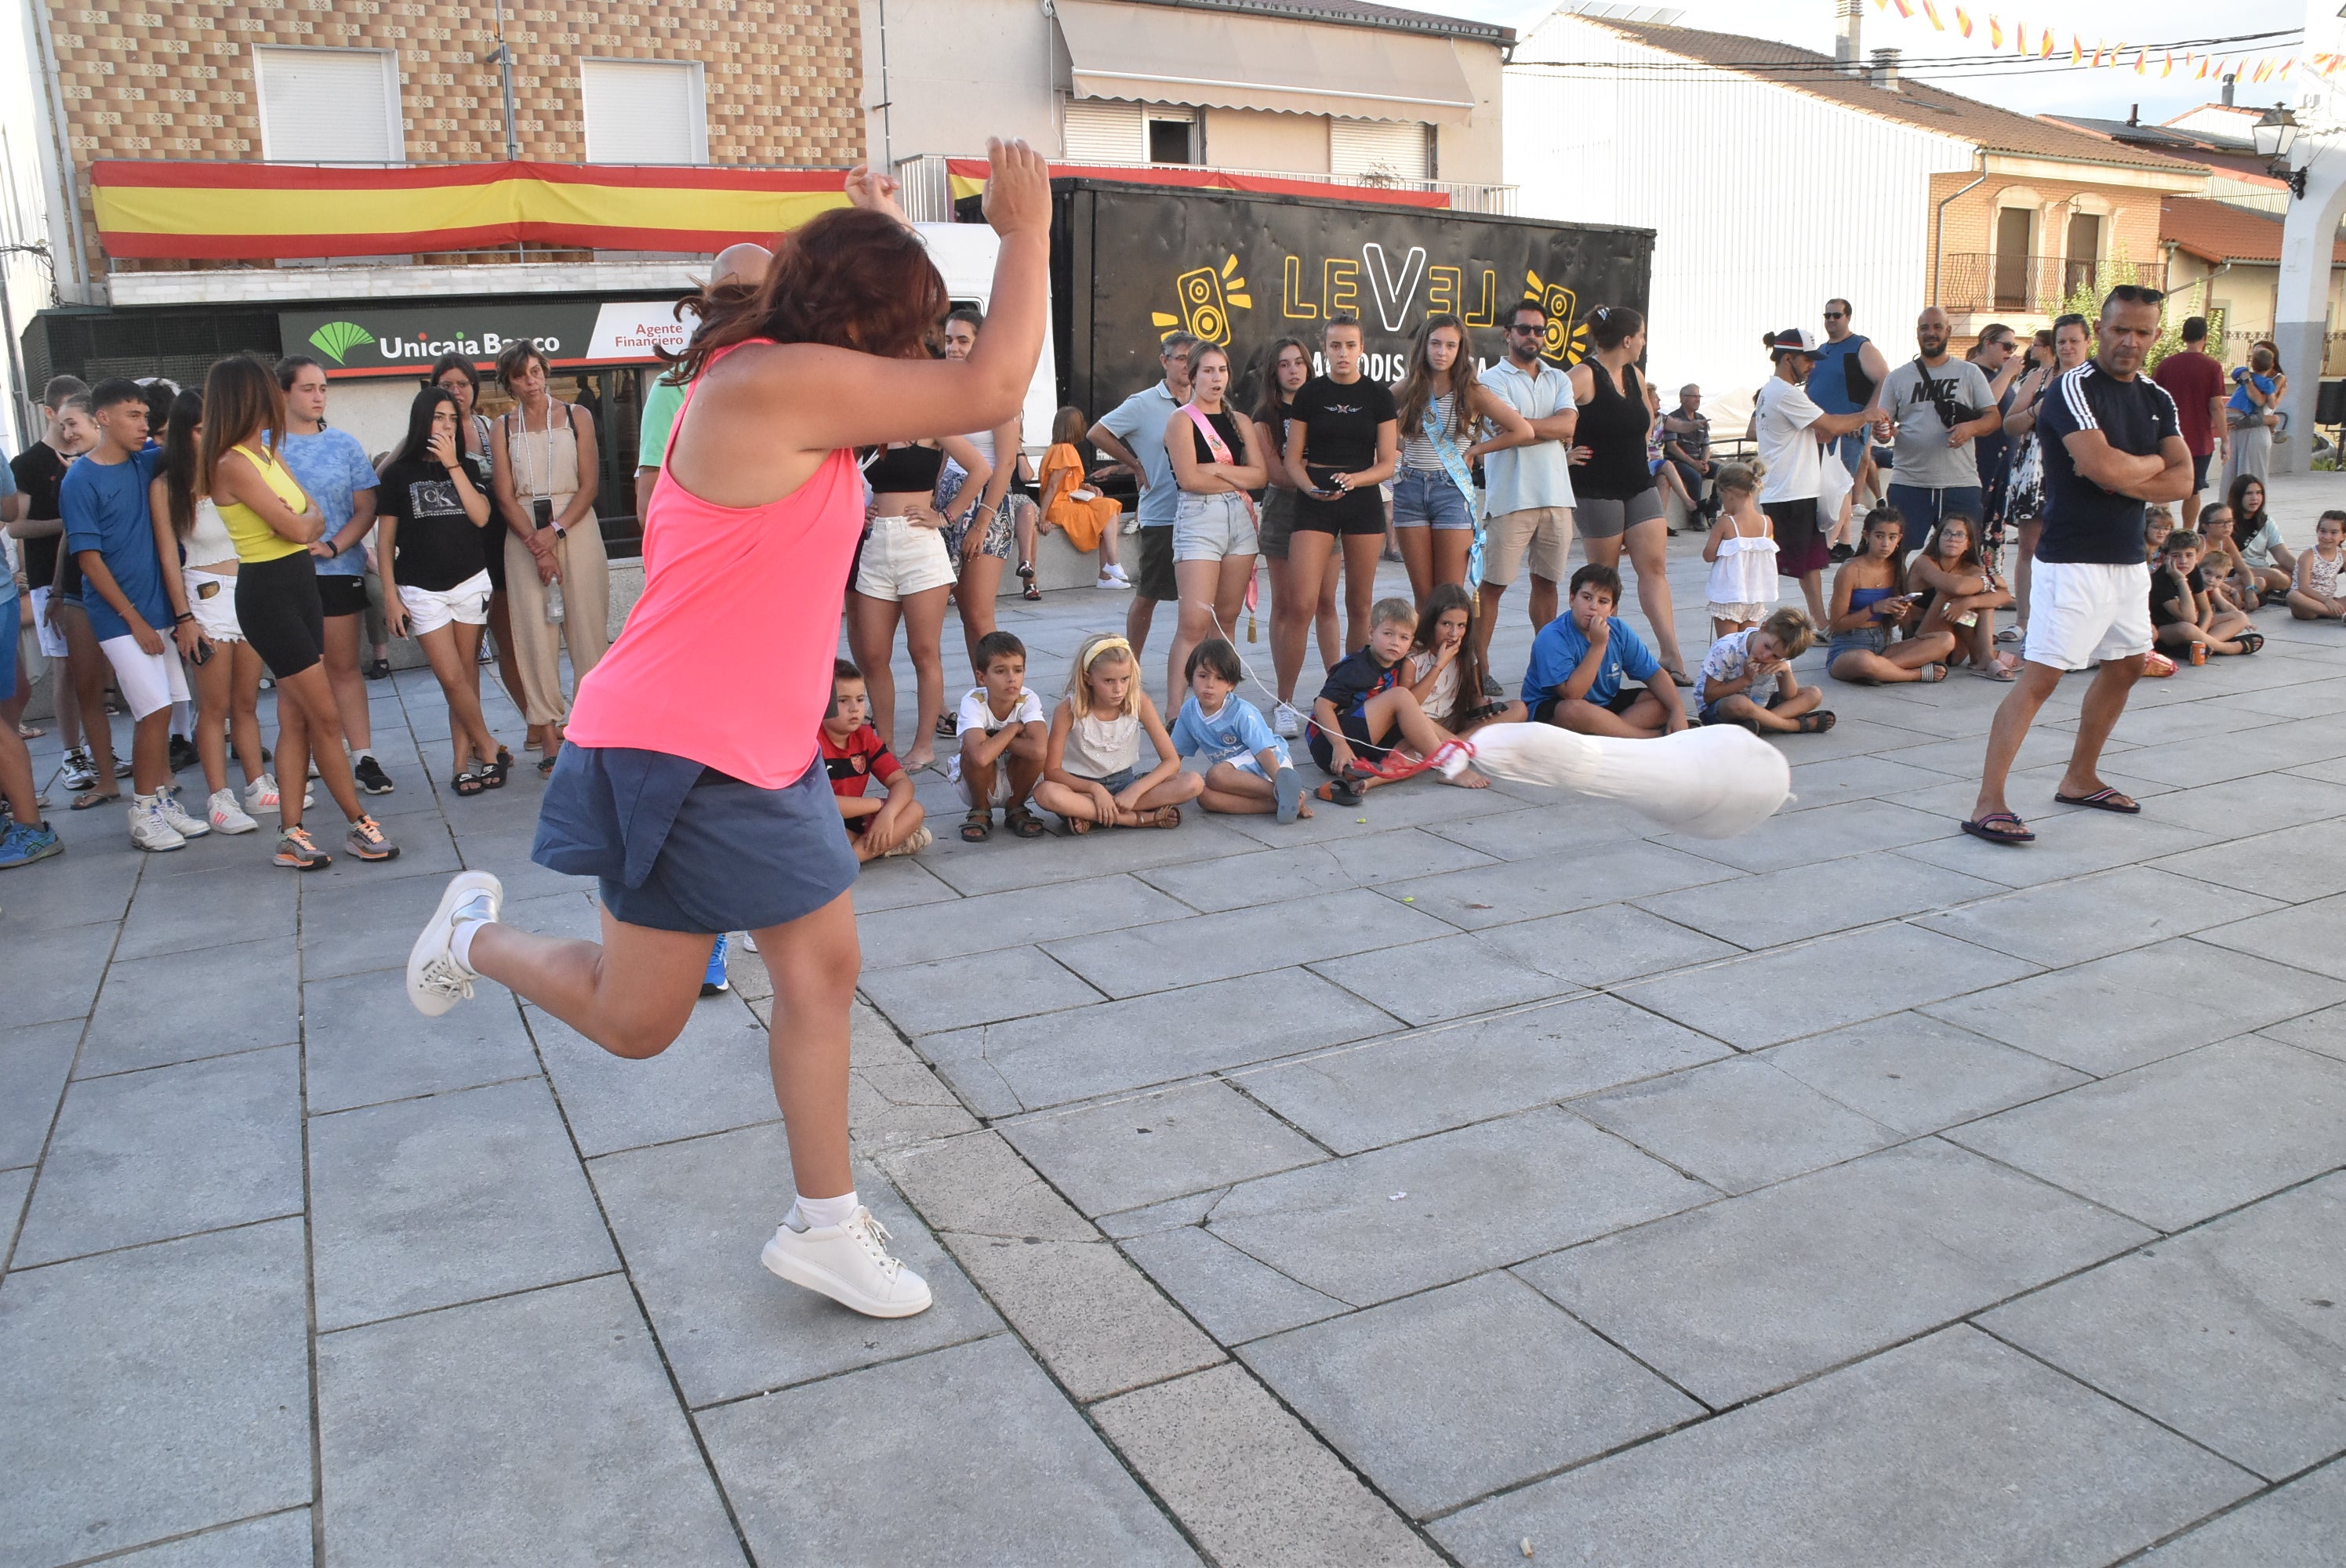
328	105
1390	149
1097	131
645	111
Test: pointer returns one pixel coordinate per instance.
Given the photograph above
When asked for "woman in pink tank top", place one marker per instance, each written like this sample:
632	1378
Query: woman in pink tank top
692	787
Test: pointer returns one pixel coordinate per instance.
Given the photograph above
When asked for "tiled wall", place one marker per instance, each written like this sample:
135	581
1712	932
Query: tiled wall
173	79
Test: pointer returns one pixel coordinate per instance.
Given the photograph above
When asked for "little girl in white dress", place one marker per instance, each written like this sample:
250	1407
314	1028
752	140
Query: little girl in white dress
1741	551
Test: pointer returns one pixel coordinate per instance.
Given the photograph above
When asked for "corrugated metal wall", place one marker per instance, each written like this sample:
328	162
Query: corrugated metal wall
1764	201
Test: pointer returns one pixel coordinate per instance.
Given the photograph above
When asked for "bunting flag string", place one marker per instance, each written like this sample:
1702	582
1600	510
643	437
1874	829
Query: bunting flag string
2045	44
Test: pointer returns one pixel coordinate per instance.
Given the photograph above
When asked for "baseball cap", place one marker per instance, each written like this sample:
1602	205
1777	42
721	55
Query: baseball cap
1792	341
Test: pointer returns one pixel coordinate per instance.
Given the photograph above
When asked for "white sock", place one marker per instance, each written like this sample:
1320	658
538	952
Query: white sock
360	755
811	1213
471	916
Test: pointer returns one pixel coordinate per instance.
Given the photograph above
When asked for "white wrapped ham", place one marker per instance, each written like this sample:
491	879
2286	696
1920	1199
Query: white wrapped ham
1713	782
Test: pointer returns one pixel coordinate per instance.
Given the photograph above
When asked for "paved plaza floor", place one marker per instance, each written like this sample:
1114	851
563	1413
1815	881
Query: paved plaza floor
1467	1176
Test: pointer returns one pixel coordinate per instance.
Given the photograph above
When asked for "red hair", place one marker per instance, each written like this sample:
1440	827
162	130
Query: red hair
850	277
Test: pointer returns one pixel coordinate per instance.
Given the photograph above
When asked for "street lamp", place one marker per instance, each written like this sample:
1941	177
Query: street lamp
2274	134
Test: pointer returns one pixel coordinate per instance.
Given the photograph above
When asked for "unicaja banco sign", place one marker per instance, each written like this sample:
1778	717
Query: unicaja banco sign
365	341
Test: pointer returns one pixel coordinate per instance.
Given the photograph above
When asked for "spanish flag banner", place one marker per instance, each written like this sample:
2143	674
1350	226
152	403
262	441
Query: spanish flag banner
192	211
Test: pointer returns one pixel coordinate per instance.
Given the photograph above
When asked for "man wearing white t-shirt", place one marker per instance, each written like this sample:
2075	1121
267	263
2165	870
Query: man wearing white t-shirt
1790	427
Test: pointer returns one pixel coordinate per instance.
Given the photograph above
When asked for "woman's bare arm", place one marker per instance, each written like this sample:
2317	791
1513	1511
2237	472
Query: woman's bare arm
237	480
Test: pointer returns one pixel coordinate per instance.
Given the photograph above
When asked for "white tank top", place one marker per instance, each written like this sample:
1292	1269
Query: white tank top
208	544
984	440
1101	748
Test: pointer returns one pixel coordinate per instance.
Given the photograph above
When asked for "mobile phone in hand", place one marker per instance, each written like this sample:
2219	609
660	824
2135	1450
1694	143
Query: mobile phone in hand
203	655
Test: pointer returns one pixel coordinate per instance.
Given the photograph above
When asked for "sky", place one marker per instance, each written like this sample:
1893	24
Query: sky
2040	87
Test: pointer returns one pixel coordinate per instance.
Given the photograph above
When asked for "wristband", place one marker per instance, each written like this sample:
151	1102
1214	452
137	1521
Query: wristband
182	619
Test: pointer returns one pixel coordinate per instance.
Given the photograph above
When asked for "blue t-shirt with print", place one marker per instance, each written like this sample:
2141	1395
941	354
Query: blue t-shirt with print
1560	646
104	508
334	468
1237	730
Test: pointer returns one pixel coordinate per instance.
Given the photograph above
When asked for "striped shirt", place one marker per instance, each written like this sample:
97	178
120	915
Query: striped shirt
2084	522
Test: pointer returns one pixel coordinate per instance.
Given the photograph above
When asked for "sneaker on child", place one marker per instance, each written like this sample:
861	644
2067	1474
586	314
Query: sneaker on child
23	844
713	981
850	1263
148	830
367	842
369	775
168	806
1287	721
226	816
438	977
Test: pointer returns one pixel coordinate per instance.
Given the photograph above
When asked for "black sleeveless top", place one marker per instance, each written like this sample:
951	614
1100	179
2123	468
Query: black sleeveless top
1612	426
1225	427
903	470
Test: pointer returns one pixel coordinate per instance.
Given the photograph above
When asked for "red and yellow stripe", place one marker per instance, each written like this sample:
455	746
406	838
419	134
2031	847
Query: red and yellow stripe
257	211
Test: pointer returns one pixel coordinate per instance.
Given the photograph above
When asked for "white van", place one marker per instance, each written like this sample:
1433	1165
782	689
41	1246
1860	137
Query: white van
964	253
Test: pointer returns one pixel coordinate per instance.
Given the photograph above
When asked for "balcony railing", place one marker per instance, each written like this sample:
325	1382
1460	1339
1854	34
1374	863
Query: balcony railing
2029	285
928	195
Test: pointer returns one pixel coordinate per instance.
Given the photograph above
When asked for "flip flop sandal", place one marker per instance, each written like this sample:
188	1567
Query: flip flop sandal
1817	723
29	732
468	783
2249	641
1938	673
2000	827
977	827
1680	677
1995	673
2102	799
1076	826
545	764
85	801
1164	817
378	669
1032	593
1336	792
496	771
1024	822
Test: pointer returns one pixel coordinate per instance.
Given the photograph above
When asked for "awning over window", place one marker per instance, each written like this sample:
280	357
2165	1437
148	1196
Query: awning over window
255	212
1175	55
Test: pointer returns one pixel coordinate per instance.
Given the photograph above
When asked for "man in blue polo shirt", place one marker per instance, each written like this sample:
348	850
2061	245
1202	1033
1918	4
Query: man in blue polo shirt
2111	446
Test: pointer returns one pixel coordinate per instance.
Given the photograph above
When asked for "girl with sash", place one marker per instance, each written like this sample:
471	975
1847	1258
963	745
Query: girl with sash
1436	515
1217	459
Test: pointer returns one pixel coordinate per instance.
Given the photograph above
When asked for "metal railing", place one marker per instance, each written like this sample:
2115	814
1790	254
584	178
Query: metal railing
2027	285
927	193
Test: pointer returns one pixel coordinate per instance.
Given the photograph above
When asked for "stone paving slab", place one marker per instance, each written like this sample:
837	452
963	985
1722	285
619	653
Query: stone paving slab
2232	1333
276	1541
714	1078
436	1431
1232	1296
1954	1445
1737	1123
34	1062
966	1454
1144	1148
1911	1071
215	1000
1739	1298
2300	1522
209	1333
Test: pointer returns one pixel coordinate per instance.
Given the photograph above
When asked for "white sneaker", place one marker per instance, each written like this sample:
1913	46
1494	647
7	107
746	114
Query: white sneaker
167	806
1108	580
921	839
147	829
260	795
1132	524
848	1263
435	981
1287	721
1115	570
227	816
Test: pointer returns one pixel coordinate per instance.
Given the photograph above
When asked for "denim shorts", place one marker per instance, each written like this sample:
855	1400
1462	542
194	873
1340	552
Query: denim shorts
1210	527
1424	496
1858	639
683	848
1116	783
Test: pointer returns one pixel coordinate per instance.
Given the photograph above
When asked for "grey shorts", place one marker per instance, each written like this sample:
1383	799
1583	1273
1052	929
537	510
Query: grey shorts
1602	519
1278	520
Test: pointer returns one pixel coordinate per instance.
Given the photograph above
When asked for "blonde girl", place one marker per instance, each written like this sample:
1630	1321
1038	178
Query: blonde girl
1741	551
1091	764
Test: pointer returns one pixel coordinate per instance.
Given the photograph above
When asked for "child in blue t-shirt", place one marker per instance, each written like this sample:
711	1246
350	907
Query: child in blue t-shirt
1582	661
1247	769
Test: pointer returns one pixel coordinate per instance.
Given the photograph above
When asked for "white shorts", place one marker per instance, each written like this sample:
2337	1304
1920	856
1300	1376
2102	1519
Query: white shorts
902	558
2084	613
149	682
1001	795
215	612
1209	527
52	639
428	609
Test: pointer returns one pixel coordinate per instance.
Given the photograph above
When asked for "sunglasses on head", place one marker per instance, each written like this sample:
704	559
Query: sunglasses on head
2136	294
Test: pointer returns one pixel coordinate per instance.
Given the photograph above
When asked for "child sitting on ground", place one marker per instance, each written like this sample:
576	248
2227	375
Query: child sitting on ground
2156	524
1248	770
1868	605
1957	594
2233	586
2257	539
1741	551
2183	615
1091	765
1443	672
1739	661
1364	712
1002	739
1582	661
2313	590
1071	505
853	755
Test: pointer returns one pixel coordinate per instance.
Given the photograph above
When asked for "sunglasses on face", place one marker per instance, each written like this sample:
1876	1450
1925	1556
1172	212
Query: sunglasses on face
1524	329
1836	315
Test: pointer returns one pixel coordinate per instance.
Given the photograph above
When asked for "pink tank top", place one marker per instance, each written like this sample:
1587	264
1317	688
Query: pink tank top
726	659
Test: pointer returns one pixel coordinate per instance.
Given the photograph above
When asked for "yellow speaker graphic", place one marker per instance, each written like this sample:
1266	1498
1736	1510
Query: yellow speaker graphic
1207	296
1566	343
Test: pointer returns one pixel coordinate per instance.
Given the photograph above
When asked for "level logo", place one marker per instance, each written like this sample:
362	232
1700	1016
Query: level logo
336	339
1207	297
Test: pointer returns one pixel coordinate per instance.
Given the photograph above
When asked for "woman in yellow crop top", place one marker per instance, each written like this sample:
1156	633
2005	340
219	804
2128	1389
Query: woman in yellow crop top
272	525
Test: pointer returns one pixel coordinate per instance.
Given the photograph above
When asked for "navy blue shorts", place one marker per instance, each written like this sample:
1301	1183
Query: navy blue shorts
8	647
680	846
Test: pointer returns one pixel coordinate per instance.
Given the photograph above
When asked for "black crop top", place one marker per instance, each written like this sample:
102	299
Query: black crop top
1225	427
903	470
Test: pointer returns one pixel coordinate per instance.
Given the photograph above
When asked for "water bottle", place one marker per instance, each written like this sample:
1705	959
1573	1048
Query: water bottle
554	602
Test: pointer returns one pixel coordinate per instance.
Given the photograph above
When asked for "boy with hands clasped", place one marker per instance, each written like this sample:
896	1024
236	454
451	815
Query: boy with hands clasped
853	755
1583	660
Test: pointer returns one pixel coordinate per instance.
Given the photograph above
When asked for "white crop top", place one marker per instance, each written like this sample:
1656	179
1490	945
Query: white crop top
208	544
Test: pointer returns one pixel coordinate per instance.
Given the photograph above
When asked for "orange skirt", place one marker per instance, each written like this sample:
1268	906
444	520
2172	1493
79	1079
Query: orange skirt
1083	522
